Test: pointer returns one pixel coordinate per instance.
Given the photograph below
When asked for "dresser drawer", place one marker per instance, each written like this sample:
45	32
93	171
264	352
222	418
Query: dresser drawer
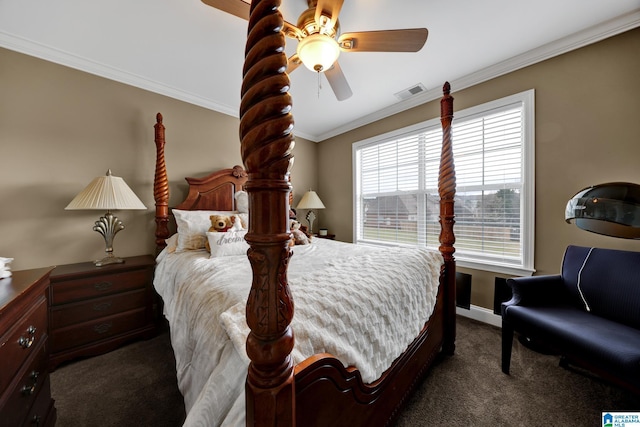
98	329
97	286
78	312
42	412
21	340
17	402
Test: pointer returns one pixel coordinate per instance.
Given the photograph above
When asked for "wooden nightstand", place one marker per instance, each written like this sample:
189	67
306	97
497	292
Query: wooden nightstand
25	394
94	310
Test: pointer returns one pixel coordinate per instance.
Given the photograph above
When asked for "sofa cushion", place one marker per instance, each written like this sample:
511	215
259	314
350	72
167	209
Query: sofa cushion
602	342
608	279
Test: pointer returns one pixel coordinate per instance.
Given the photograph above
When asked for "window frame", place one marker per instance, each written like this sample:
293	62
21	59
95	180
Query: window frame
527	208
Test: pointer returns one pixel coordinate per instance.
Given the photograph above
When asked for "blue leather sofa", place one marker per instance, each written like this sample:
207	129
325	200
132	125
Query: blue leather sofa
589	314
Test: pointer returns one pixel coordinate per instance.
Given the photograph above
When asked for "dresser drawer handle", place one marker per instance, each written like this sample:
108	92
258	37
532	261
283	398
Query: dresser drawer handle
28	342
102	306
102	286
102	327
35	420
29	390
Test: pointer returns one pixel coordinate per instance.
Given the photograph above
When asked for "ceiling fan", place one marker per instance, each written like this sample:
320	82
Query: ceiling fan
319	42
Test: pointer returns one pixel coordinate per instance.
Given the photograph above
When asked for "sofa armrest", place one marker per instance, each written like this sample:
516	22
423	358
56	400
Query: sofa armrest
536	290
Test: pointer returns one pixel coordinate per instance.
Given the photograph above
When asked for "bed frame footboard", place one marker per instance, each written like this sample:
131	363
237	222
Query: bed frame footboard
328	394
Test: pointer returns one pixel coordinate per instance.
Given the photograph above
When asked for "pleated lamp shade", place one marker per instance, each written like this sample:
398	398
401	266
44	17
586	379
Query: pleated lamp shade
310	200
106	193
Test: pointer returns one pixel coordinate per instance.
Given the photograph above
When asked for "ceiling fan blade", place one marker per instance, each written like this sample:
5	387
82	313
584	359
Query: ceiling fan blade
330	8
292	63
292	31
338	82
409	40
239	8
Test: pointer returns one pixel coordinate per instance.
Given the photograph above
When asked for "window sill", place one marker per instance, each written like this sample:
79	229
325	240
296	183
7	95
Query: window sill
507	269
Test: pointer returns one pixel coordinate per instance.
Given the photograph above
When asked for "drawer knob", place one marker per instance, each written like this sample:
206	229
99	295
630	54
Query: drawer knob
26	342
102	327
35	421
102	306
102	286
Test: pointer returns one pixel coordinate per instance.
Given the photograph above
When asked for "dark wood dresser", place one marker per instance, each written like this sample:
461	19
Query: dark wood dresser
94	310
25	393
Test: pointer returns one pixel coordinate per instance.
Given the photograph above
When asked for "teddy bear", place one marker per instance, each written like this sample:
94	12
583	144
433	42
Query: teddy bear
298	236
220	223
224	223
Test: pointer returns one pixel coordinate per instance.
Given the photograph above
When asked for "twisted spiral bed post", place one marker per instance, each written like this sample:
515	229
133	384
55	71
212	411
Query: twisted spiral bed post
447	191
161	187
266	135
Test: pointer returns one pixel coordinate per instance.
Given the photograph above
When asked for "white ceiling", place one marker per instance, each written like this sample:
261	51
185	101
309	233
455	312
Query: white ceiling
187	50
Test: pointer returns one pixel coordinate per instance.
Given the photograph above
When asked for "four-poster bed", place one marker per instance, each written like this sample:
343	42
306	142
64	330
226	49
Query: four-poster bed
281	388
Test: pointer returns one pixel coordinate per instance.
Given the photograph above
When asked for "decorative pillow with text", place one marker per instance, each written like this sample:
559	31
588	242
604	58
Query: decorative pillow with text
227	244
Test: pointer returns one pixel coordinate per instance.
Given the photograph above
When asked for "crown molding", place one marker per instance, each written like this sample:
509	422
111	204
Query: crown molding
575	41
48	53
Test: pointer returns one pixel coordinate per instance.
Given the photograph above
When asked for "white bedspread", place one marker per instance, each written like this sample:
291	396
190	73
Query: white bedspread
390	293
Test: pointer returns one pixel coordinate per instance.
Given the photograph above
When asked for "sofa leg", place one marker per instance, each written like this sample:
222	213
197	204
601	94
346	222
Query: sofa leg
564	362
507	344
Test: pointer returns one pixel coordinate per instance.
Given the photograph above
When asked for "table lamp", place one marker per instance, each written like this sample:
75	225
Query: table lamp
107	193
310	200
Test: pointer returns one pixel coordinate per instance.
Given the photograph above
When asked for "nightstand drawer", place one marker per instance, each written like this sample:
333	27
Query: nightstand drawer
21	340
18	401
99	329
78	312
97	286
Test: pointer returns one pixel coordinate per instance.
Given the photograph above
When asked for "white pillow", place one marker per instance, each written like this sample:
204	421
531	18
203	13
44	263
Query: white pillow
227	244
193	226
242	201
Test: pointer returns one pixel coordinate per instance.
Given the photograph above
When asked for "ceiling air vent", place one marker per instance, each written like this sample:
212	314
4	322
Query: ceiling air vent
412	91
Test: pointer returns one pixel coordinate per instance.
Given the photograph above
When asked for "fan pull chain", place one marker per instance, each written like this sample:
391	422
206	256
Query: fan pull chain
319	85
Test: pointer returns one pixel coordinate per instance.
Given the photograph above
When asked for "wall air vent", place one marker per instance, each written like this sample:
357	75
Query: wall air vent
409	92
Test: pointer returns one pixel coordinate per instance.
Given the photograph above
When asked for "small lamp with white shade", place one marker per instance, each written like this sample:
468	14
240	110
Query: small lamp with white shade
310	201
108	193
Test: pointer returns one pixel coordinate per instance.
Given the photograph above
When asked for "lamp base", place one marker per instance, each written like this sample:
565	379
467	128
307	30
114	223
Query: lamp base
108	260
311	216
108	226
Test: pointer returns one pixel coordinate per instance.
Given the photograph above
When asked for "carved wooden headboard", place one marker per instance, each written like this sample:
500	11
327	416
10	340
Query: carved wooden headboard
214	192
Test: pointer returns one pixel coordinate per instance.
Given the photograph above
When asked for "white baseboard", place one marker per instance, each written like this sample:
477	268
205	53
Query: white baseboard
480	314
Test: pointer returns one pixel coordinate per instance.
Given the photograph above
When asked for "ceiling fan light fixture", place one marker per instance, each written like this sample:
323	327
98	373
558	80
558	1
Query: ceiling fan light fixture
318	52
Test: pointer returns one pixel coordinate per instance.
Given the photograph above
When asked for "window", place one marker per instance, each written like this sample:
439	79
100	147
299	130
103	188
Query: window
396	198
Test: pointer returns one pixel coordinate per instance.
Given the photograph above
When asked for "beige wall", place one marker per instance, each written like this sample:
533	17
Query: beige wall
60	128
587	132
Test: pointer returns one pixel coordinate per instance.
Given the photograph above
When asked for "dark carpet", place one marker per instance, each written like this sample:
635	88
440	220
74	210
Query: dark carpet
132	386
136	386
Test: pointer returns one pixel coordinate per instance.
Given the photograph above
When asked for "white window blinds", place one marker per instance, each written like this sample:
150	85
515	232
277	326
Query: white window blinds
396	178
